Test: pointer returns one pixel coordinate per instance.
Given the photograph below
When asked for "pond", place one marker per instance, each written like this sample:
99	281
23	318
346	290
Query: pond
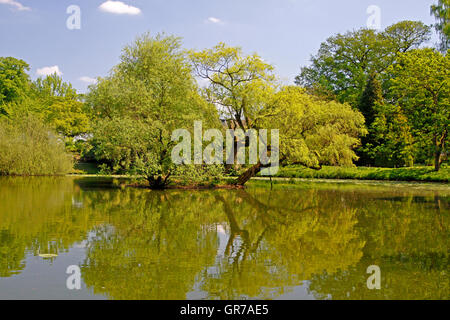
309	240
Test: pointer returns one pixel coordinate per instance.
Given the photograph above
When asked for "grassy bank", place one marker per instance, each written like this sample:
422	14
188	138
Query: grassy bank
425	174
364	173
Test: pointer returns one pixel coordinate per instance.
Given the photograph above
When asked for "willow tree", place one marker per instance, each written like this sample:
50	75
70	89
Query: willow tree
147	96
312	132
243	87
238	85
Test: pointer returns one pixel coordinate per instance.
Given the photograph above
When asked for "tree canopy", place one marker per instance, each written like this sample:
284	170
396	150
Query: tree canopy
313	132
421	85
344	62
373	72
14	81
148	95
239	84
376	92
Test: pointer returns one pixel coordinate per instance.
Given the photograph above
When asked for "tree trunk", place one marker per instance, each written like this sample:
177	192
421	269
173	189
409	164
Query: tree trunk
437	160
438	147
250	173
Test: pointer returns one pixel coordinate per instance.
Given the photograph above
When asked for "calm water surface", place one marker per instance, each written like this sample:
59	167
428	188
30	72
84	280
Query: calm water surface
307	241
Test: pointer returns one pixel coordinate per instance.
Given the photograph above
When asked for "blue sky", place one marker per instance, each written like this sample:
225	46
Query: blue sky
284	32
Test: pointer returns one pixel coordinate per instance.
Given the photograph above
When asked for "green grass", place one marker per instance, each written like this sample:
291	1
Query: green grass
426	174
365	173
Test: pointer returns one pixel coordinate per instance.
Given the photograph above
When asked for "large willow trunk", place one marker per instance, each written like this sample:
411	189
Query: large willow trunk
250	173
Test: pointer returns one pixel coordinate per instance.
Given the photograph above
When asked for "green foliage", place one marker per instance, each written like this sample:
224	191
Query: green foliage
59	106
50	99
391	142
342	66
364	67
441	11
197	175
120	142
313	132
365	173
68	117
402	92
86	168
28	147
371	97
14	81
53	86
421	85
238	83
146	97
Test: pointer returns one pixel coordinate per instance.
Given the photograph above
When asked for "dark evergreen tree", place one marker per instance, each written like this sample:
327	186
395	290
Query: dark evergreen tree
370	98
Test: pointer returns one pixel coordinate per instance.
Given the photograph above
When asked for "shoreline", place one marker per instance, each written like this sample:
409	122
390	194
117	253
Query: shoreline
267	179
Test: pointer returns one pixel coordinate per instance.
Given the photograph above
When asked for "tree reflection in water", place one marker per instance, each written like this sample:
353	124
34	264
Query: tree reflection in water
226	244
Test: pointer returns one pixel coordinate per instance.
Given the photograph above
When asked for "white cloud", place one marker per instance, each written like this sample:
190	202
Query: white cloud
214	20
15	4
118	7
88	80
47	71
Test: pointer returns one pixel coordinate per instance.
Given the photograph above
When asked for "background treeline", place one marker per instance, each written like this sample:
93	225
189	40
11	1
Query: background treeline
400	87
39	121
374	98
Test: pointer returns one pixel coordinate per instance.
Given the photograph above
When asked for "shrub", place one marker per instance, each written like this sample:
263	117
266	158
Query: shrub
200	175
28	147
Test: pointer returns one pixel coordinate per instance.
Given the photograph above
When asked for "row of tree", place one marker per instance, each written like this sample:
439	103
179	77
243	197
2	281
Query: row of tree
400	86
153	91
39	121
128	117
56	102
382	87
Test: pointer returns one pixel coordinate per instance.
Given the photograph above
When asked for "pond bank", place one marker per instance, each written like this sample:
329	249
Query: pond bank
419	174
